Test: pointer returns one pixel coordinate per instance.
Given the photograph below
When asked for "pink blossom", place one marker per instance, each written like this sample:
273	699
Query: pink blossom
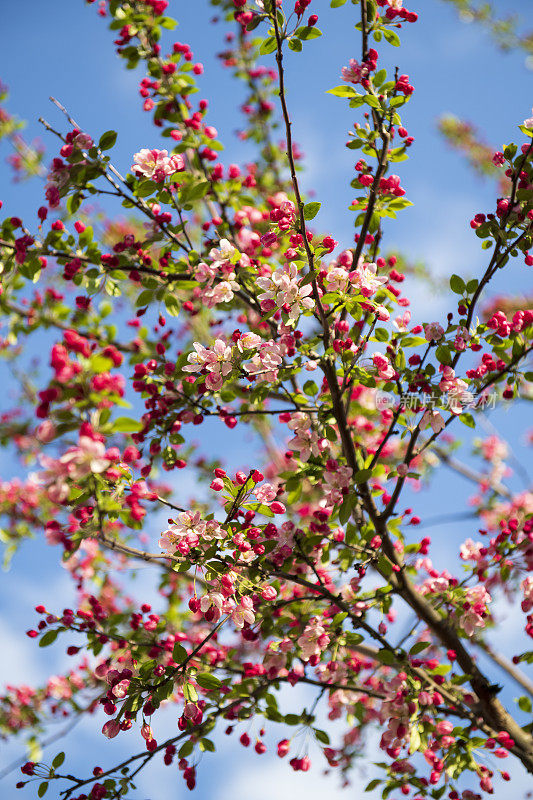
244	612
248	341
434	418
189	527
283	290
474	616
457	390
87	457
433	331
265	493
384	367
46	431
305	441
265	363
156	164
527	588
111	728
217	362
470	550
366	279
313	640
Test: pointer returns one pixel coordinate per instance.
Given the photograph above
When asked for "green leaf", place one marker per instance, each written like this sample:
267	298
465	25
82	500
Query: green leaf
311	210
48	638
386	657
194	192
343	91
362	476
295	45
418	647
371	101
179	653
207	681
457	284
172	305
258	18
309	278
442	669
58	760
168	23
190	693
292	719
100	363
443	355
145	297
524	704
413	341
331	434
268	46
186	749
347	507
322	736
309	32
43	788
527	131
379	77
384	566
398	101
414	741
73	203
126	425
468	420
145	188
391	37
338	619
107	140
310	388
86	236
373	784
337	3
207	744
353	638
381	335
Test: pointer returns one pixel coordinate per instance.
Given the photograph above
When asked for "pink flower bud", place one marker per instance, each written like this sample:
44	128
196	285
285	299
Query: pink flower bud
111	728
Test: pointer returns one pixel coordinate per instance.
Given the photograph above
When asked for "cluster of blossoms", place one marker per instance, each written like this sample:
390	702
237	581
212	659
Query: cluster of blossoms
284	290
306	440
434	419
455	388
188	531
156	164
365	278
87	457
337	482
217	363
359	73
265	363
313	640
336	275
58	177
474	613
259	359
218	276
295	575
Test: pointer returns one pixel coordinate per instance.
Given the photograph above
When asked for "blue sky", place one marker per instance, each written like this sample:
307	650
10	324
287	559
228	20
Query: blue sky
63	48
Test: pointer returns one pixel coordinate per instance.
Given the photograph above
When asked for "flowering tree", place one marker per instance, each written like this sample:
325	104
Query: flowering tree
292	571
